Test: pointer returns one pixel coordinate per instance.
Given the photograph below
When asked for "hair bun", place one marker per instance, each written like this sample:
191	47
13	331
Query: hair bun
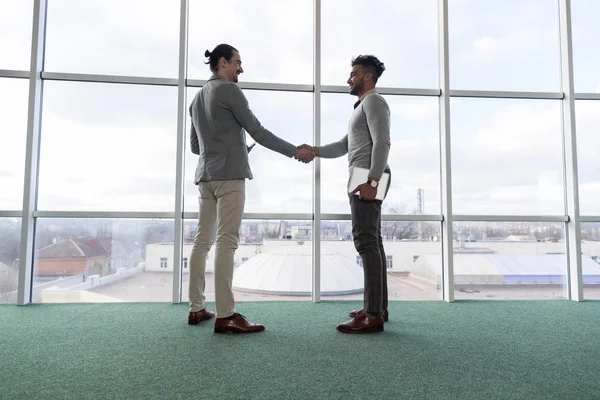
207	54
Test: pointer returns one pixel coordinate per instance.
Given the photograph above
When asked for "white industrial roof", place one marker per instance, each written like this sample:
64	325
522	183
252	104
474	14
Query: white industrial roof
287	270
506	268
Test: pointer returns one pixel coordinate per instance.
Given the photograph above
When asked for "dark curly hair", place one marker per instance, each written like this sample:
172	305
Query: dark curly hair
370	63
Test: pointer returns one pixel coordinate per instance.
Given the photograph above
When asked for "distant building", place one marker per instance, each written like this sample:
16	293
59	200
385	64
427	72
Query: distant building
87	256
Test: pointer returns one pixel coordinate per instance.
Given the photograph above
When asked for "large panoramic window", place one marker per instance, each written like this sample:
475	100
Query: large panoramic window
586	59
13	130
280	184
273	261
403	34
590	259
509	261
113	37
10	232
105	187
413	261
507	45
413	159
108	147
15	34
102	260
274	38
587	115
507	157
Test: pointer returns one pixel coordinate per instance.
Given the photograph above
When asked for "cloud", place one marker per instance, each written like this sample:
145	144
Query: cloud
94	165
586	59
107	104
113	37
403	34
13	133
15	34
280	51
506	151
504	46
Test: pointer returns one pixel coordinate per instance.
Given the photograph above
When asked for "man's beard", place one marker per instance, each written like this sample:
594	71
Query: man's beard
356	89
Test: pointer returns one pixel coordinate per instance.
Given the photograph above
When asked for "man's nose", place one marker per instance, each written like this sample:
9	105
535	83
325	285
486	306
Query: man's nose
241	70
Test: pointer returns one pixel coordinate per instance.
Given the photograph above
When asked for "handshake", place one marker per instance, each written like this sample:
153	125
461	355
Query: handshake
306	153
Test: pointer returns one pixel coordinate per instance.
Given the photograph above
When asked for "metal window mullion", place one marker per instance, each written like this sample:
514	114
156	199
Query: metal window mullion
105	214
510	218
572	231
180	156
32	153
445	158
316	242
262	216
589	218
96	78
386	217
385	90
13	73
11	214
495	94
587	96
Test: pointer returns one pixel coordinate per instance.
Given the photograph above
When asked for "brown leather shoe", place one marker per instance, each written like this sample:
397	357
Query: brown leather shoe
195	317
361	324
354	313
237	323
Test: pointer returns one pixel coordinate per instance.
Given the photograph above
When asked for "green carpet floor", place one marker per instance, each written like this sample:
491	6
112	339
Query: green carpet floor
429	350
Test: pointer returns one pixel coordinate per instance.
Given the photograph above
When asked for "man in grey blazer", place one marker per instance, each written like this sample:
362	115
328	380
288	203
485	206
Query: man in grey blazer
367	145
220	116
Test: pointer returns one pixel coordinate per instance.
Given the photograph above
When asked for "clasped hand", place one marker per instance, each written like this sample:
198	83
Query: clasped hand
305	153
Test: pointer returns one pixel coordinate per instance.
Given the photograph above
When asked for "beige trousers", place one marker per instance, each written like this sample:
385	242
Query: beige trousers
221	205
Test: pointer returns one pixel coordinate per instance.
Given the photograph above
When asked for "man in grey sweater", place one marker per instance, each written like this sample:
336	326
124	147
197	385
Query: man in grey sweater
220	117
367	145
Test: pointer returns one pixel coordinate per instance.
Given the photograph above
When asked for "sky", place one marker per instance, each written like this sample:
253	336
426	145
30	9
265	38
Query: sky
112	147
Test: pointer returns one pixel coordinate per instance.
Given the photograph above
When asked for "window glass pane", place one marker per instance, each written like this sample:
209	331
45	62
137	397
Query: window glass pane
403	34
414	155
590	259
587	114
586	58
504	45
507	157
102	260
273	261
274	38
10	242
108	147
509	261
280	184
16	17
13	131
117	37
413	252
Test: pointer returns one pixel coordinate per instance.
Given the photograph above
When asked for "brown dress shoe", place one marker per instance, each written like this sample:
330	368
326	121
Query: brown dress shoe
354	313
361	324
195	317
237	323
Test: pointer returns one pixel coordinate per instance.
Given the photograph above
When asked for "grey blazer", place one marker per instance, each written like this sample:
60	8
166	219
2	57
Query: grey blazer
220	114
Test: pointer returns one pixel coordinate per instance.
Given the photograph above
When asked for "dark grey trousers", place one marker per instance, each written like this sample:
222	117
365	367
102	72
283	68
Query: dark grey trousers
366	230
